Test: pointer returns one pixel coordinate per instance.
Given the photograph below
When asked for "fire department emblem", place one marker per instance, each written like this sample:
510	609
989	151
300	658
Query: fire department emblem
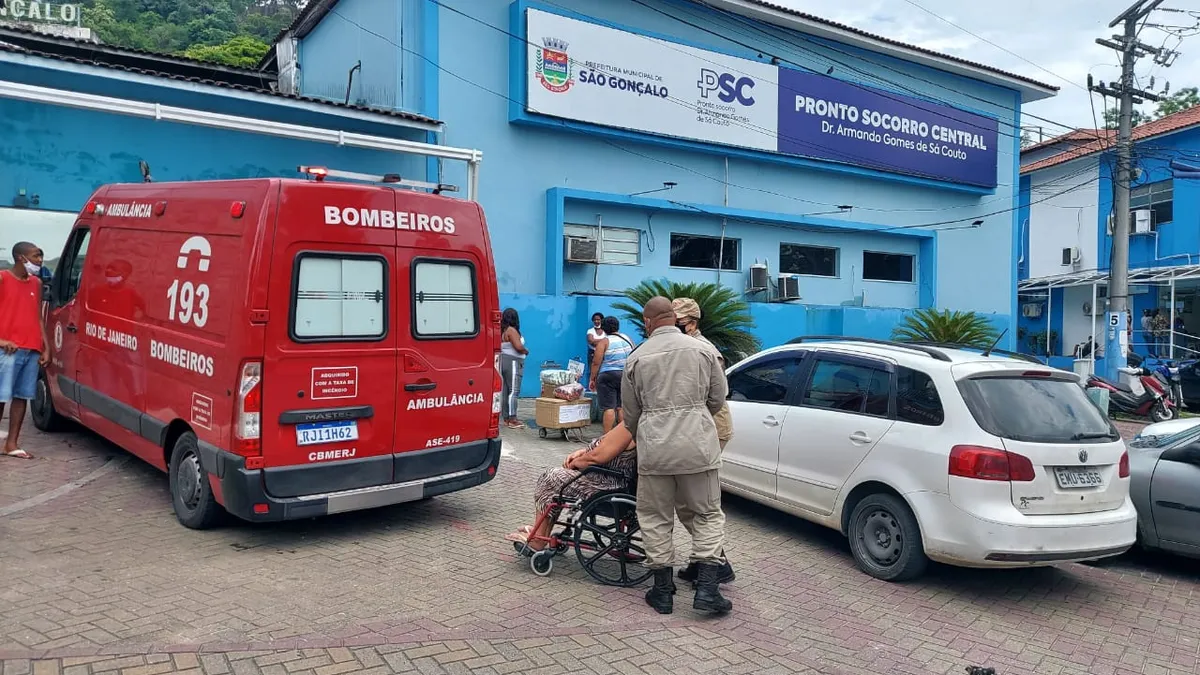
553	66
57	336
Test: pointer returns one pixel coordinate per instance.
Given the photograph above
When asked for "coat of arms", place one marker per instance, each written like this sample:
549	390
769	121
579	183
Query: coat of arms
553	66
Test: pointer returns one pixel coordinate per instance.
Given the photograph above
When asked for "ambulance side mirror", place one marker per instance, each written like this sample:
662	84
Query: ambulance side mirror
47	291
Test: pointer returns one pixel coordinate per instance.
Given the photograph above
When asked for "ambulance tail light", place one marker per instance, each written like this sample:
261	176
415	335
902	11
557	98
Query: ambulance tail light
247	423
497	388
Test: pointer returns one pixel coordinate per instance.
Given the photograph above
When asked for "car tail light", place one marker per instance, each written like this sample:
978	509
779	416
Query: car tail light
247	423
497	389
1123	467
980	463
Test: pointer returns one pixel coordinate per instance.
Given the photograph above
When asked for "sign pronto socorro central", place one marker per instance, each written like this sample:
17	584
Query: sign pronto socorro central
590	73
47	12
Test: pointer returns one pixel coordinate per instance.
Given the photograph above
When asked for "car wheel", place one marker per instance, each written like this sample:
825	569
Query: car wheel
191	494
886	540
45	417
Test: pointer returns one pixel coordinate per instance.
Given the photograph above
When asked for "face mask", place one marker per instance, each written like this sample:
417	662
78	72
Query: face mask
32	269
113	281
682	327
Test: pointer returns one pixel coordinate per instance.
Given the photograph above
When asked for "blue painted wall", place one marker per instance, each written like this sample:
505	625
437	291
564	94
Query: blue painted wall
1178	241
386	37
522	163
1023	228
57	154
555	326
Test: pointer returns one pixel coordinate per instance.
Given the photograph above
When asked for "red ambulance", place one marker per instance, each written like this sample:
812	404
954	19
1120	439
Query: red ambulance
281	348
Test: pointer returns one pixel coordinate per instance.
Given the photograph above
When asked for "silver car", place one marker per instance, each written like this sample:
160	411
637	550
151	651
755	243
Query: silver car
1164	484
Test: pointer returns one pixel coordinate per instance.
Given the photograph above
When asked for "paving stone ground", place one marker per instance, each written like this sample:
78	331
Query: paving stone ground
98	577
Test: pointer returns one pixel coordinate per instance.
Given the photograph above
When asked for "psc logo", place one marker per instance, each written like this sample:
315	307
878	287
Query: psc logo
729	87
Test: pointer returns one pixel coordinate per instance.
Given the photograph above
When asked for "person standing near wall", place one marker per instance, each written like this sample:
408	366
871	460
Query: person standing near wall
608	365
673	385
512	364
594	335
687	319
22	340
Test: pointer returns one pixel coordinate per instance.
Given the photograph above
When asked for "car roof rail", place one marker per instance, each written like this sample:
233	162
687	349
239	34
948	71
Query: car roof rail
928	350
981	350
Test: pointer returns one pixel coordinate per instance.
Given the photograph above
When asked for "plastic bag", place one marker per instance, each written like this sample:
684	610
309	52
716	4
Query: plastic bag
558	377
569	392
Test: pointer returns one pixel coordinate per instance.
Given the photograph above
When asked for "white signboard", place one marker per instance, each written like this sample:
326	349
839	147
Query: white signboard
582	71
569	414
33	10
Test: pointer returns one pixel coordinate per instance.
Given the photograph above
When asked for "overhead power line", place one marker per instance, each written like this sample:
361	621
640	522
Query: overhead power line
1006	50
701	174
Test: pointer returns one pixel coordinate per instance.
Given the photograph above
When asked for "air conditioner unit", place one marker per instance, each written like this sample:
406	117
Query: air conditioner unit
582	250
1031	310
758	277
1143	221
1071	255
789	287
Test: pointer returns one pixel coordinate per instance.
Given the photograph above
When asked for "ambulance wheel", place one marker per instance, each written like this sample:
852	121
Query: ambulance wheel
45	417
191	494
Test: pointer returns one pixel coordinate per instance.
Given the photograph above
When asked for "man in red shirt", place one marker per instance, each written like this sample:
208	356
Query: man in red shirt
22	339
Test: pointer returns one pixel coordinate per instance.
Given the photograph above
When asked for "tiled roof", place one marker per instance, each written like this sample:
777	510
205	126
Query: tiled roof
879	38
1178	121
168	66
1075	137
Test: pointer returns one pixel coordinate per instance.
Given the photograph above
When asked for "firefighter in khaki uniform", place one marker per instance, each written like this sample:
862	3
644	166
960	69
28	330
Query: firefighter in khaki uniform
671	388
687	319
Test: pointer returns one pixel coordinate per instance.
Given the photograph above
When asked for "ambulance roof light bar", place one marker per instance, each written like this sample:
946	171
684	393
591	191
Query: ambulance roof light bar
319	173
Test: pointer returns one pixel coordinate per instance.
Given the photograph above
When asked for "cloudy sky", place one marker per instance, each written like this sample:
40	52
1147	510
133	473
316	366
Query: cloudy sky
1057	35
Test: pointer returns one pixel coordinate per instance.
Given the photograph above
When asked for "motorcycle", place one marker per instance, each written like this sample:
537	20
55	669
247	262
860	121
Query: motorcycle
1167	373
1146	396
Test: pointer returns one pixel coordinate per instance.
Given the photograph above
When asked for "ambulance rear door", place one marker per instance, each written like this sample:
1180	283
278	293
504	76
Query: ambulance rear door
445	297
329	397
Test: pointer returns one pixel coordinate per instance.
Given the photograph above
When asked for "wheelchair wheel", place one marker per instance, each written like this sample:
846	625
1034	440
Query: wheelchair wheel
608	540
542	562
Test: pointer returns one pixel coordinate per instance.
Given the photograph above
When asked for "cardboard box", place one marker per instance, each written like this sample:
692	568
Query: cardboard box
548	390
554	413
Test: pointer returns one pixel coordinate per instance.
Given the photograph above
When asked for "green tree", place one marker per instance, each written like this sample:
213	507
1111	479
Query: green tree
242	51
1183	99
1112	118
725	319
946	327
186	26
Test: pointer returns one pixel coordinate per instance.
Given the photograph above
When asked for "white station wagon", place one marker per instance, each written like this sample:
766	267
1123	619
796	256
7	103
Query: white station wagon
916	452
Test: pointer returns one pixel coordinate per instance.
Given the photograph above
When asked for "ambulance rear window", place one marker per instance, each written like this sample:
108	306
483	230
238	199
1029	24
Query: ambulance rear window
339	297
445	302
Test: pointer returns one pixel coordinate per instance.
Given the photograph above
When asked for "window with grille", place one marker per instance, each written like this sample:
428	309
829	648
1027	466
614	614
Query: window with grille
616	245
1158	198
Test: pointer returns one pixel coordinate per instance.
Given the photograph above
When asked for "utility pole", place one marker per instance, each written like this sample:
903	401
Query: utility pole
1130	49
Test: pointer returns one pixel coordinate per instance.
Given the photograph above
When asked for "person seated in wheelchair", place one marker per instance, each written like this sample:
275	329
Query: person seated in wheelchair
615	452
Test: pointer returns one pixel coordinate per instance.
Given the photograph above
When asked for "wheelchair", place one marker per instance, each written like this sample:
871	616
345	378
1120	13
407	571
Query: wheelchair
603	529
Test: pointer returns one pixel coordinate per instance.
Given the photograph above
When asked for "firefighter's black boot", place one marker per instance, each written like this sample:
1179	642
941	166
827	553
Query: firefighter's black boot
662	595
708	591
726	576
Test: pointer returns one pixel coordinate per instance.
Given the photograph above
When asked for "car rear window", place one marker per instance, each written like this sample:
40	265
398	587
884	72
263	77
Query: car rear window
1036	410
